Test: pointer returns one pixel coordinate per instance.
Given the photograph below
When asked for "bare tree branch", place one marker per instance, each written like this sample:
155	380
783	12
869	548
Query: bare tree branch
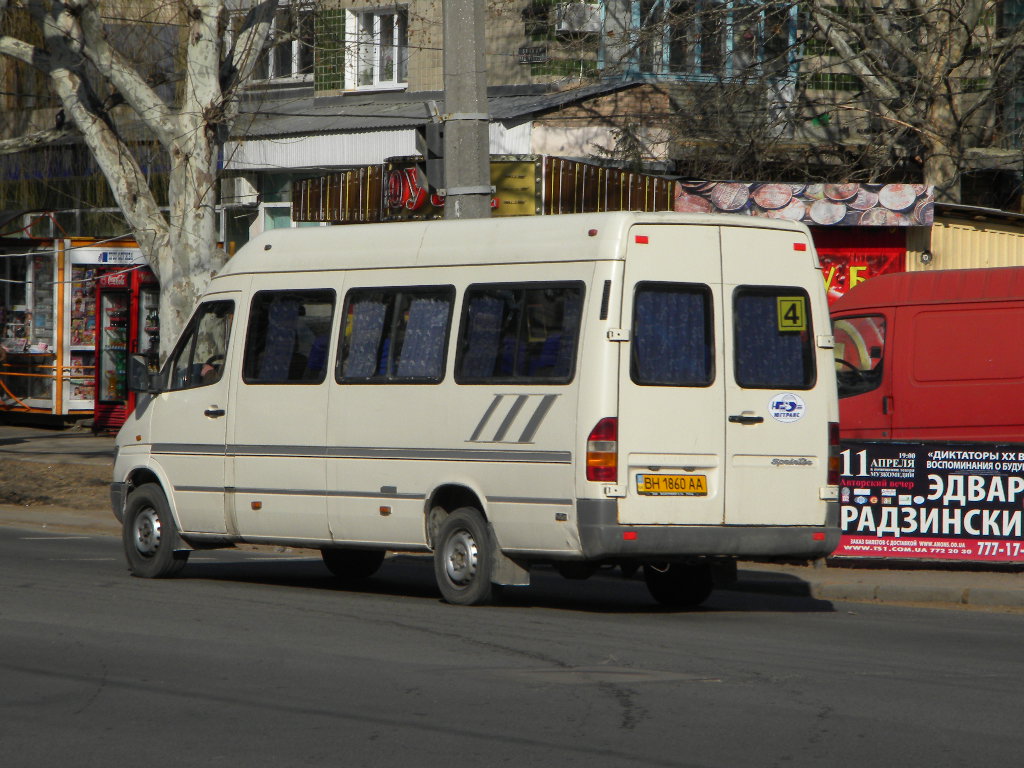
113	66
35	139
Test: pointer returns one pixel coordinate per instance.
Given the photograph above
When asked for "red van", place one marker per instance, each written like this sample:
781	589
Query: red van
932	356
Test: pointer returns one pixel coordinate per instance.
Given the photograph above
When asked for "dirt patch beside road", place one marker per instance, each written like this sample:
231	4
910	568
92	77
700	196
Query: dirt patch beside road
74	486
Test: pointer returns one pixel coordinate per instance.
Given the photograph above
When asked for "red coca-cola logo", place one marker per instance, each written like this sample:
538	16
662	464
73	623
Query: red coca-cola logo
117	280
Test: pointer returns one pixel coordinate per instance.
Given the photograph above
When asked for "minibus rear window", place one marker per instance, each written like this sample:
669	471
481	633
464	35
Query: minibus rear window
519	332
773	337
673	340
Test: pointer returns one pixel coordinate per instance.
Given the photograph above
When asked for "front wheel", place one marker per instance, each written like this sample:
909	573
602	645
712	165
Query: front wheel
150	535
679	585
462	558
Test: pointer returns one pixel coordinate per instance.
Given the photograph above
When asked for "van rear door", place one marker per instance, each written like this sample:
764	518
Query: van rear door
671	402
779	385
721	418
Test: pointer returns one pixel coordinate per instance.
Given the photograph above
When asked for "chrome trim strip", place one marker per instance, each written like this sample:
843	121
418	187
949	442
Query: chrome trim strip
202	449
354	452
361	494
525	500
452	454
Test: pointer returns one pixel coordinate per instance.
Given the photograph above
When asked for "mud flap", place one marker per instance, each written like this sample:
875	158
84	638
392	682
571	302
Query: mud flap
504	570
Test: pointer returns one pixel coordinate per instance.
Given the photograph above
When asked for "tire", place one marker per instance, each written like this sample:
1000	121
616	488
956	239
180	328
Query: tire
462	559
150	535
351	565
679	585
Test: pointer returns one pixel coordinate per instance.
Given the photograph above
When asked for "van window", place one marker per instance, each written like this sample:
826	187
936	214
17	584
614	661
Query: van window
673	340
198	360
395	335
288	336
519	333
772	337
859	353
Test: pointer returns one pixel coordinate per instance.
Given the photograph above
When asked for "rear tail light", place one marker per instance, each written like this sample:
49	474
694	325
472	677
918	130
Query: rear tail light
603	451
833	453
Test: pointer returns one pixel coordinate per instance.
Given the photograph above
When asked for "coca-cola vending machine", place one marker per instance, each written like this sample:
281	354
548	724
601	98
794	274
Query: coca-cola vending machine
127	322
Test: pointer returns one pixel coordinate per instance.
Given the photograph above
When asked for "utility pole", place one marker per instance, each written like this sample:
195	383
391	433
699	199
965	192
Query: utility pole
467	159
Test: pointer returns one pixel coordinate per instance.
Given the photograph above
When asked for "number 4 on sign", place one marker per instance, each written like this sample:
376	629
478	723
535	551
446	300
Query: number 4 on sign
792	313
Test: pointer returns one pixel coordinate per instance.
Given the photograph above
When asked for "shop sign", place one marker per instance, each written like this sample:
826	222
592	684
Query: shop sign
120	257
845	271
826	205
402	192
529	54
932	501
514	183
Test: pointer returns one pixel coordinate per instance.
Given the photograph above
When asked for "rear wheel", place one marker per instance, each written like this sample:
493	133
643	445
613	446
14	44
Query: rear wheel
352	564
150	535
679	585
462	558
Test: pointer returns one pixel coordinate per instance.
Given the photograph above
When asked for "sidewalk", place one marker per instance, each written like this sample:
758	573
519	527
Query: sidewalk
837	581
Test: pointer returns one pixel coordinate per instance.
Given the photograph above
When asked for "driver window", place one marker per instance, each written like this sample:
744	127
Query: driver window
198	360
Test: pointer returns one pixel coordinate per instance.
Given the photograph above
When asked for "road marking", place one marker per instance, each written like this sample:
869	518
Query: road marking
55	538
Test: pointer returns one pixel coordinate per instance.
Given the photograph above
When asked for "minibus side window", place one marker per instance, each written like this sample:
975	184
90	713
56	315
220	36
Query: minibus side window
673	340
773	337
288	337
395	335
859	353
198	360
519	333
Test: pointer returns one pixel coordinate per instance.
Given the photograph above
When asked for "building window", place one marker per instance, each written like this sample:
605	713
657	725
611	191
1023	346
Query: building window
381	53
713	39
289	51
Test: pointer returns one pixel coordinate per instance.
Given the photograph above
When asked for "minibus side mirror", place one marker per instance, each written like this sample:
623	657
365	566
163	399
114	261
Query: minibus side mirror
140	379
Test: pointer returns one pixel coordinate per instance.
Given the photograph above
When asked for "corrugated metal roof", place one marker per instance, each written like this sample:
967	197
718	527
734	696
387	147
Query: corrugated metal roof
298	116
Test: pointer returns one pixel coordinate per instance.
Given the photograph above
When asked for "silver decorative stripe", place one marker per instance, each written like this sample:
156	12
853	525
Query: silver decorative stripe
361	495
191	449
287	451
524	500
330	494
352	452
454	454
374	495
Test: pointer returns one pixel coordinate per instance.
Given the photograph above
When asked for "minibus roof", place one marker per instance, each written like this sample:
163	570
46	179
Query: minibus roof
496	240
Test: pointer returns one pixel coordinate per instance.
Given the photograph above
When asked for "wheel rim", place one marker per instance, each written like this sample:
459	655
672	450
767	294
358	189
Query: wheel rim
461	558
147	532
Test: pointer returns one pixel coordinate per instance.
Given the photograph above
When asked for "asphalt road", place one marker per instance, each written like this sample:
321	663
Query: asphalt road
258	659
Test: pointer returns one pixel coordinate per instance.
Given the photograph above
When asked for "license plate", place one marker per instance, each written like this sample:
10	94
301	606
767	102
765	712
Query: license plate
672	485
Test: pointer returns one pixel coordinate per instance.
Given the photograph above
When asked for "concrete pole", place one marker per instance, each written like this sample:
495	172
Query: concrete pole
467	160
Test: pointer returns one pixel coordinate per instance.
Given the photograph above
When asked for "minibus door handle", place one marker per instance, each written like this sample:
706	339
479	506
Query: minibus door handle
746	418
214	413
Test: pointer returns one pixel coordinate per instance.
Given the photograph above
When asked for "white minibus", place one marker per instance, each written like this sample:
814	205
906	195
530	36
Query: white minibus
650	391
